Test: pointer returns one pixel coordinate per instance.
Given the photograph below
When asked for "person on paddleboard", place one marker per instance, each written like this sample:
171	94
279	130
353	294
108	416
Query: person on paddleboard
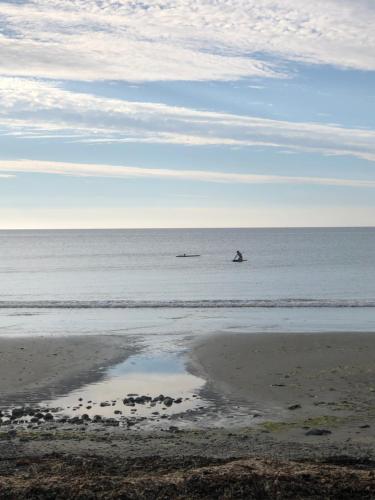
238	257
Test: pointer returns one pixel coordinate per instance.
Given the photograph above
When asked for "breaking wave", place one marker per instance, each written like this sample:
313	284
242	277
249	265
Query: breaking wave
186	304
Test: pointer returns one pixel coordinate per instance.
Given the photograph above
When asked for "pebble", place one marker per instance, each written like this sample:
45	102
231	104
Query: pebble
318	432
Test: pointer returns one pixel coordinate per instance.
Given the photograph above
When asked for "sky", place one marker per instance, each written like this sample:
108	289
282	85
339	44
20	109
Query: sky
187	113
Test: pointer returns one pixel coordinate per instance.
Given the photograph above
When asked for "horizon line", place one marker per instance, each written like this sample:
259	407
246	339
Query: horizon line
179	228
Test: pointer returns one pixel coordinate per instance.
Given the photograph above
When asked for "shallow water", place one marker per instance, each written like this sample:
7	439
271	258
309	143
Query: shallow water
140	375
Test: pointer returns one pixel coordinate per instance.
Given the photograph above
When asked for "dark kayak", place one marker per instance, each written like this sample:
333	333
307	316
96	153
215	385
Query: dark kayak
243	260
186	255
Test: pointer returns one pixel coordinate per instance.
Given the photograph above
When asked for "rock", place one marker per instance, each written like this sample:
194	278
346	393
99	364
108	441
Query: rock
105	403
97	418
178	400
168	401
111	422
365	426
17	413
160	398
294	407
85	417
318	432
117	412
75	420
142	399
48	416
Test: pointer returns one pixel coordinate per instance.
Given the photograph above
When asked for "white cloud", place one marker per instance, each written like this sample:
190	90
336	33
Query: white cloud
99	170
32	108
181	39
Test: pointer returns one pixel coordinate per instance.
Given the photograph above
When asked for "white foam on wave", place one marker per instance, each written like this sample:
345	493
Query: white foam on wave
187	304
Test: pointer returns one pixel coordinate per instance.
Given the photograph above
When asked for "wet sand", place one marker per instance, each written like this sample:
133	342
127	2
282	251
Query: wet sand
43	366
293	374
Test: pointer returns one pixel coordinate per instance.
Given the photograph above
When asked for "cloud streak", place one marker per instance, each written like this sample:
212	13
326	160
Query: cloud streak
36	109
112	171
182	39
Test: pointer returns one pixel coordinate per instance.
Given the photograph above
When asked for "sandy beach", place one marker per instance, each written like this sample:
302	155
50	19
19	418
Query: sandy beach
46	366
304	382
281	371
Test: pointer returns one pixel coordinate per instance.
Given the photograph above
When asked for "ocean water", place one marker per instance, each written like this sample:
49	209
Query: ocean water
130	282
139	268
324	278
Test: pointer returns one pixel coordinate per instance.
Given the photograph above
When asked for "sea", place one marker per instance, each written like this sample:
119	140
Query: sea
131	282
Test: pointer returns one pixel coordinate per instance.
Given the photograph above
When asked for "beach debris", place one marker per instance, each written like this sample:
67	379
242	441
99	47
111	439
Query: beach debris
318	432
294	407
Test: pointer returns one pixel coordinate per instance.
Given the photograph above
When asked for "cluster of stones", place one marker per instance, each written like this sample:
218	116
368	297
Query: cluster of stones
37	416
134	399
34	417
27	415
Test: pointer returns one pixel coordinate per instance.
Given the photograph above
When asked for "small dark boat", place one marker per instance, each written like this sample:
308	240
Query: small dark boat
188	255
243	260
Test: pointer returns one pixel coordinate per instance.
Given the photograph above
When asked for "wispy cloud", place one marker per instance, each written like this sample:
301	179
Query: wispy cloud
181	39
120	171
32	108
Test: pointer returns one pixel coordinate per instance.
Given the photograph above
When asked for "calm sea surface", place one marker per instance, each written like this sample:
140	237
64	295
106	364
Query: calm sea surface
331	266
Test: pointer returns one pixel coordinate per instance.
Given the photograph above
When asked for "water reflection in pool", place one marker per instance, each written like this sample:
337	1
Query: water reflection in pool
141	375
